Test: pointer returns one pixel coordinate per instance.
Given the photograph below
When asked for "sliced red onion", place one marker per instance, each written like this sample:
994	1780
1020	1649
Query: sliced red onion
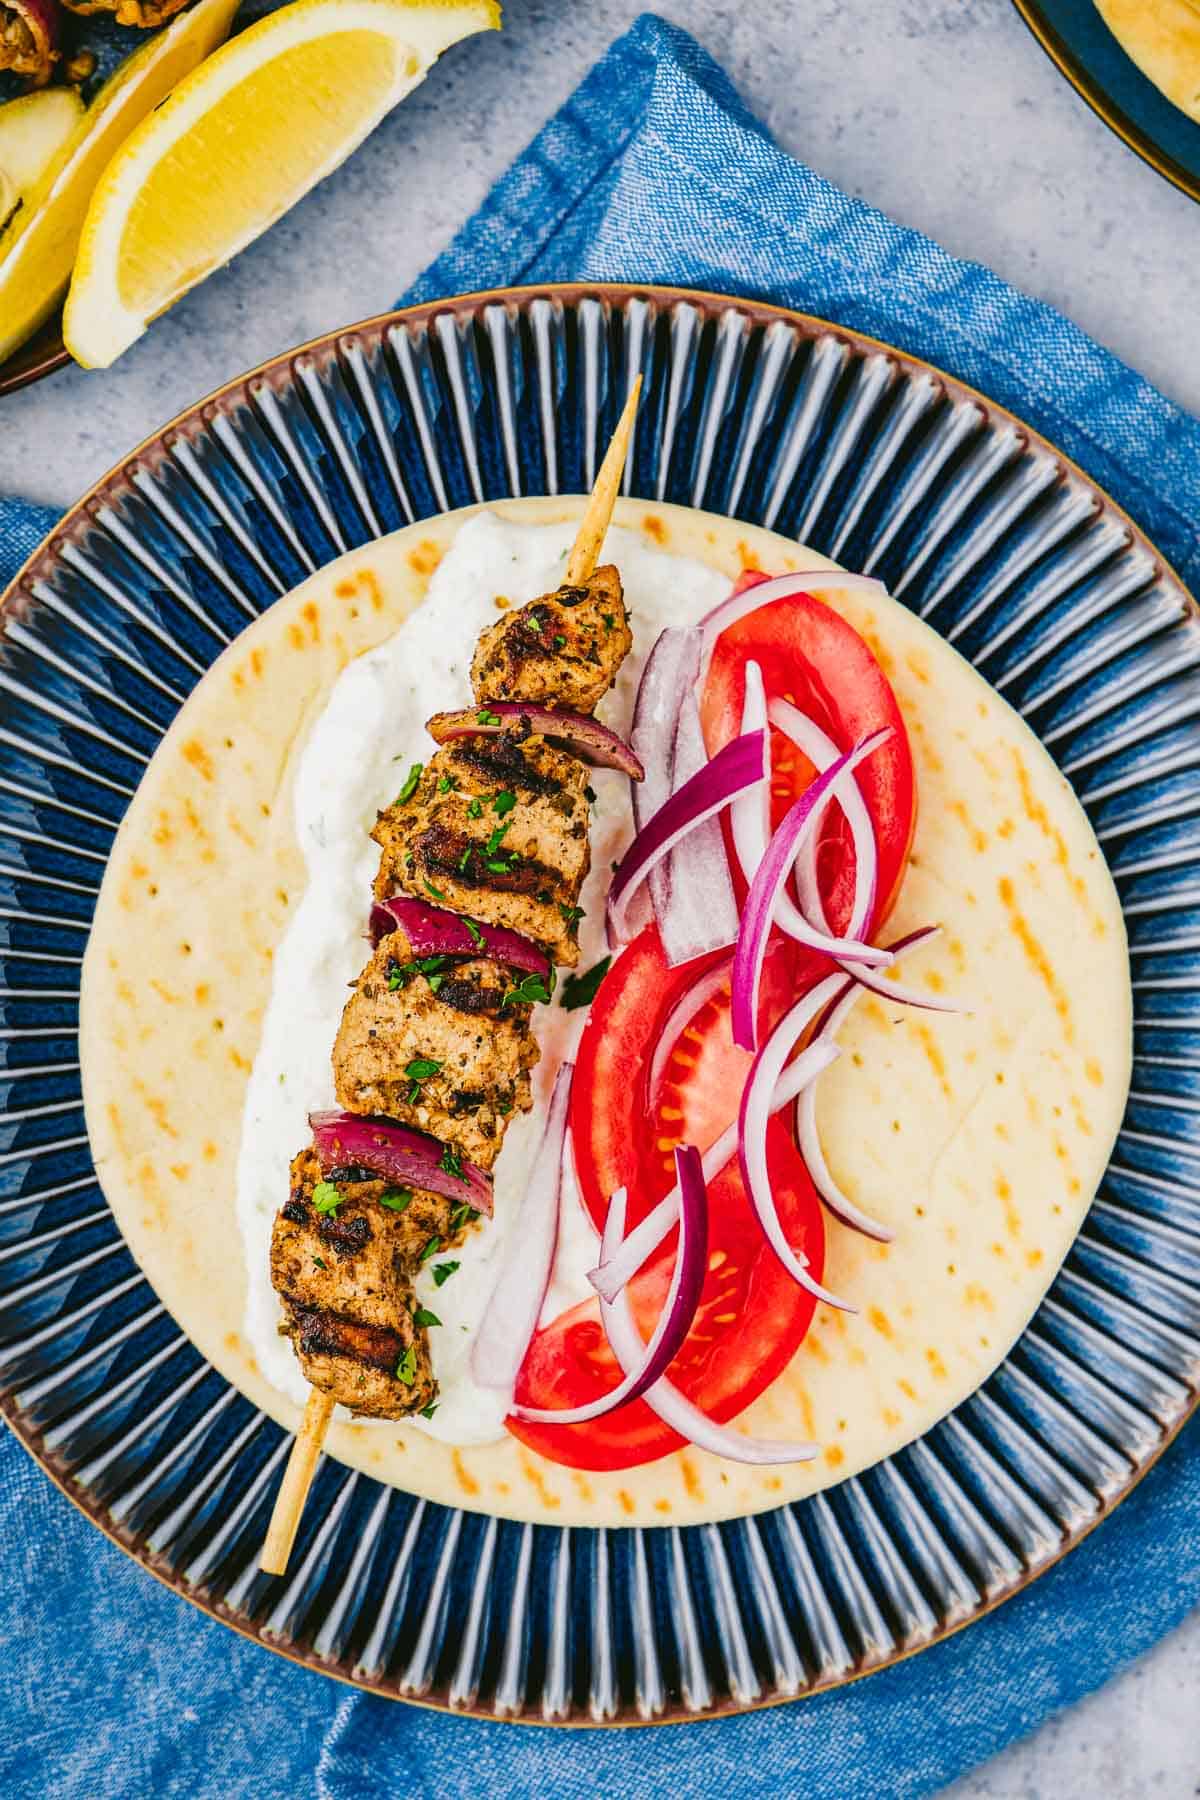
584	736
681	1016
666	1401
750	820
511	1315
612	1272
396	1153
822	752
747	600
765	889
679	1308
896	990
738	766
667	678
432	931
754	1115
701	914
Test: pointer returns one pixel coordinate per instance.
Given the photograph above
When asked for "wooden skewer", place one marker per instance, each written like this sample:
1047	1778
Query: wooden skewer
297	1479
302	1463
596	520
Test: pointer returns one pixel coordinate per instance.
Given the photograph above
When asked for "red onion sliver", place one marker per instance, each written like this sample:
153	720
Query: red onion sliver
780	587
669	1404
822	752
396	1153
681	1016
511	1315
755	1112
739	765
432	931
616	1267
679	1308
701	914
586	737
761	901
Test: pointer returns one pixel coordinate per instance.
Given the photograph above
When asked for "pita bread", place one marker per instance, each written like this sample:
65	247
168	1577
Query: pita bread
980	1137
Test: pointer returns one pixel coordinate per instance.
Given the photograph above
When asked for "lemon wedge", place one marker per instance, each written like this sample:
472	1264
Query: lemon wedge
37	251
33	129
237	143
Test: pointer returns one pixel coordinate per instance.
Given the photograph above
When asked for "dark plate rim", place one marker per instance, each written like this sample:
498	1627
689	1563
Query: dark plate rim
328	343
1103	104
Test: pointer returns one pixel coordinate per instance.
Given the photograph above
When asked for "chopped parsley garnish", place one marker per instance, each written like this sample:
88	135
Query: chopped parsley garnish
326	1198
451	1162
397	1199
590	795
609	621
410	784
429	965
431	1249
418	1070
475	809
474	930
427	1412
559	640
400	974
580	990
436	892
443	1271
571	915
423	1316
446	783
528	989
464	860
397	976
318	1262
484	717
406	1368
463	1214
435	982
536	619
499	865
504	1104
496	838
504	802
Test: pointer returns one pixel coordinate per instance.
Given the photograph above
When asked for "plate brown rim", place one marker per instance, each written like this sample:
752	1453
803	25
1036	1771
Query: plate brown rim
134	1544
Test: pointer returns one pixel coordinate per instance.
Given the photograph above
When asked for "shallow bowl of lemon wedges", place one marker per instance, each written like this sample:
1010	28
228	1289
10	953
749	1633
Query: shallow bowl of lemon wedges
110	211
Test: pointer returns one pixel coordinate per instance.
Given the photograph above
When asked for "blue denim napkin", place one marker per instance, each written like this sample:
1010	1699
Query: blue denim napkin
654	170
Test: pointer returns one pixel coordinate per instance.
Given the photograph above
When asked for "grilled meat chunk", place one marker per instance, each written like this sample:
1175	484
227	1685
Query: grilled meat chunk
442	1052
563	650
345	1280
497	828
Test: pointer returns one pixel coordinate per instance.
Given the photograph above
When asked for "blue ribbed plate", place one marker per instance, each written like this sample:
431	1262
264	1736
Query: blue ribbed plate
781	420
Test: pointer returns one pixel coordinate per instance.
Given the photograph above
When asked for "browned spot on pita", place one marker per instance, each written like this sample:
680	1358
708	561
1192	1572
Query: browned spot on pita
583	1488
625	1500
880	1322
1094	1072
933	1056
907	1388
979	841
311	615
164	993
1036	956
503	1487
345	590
815	1348
258	662
195	754
209	1152
202	992
835	1456
977	1295
114	1120
662	1506
772	1484
138	870
239	1061
1012	1218
890	1416
502	602
425	558
163	831
691	1479
463	1476
537	1481
296	637
239	831
1033	1258
918	666
147	1180
937	1367
157	1108
180	1171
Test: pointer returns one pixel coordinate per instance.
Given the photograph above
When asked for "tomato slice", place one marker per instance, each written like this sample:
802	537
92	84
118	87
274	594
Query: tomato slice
811	656
752	1315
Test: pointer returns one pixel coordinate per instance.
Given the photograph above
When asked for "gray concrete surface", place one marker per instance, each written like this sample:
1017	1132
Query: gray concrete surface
945	114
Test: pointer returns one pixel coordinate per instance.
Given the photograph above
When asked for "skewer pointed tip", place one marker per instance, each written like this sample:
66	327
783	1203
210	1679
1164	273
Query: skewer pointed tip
297	1479
586	552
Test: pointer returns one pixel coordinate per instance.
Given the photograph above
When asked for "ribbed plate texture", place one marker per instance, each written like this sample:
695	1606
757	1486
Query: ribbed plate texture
976	524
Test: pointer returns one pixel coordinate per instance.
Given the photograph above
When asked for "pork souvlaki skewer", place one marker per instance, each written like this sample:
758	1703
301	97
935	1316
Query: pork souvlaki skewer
492	835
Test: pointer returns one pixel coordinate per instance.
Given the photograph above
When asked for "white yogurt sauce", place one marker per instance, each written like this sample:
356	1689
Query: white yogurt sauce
354	761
